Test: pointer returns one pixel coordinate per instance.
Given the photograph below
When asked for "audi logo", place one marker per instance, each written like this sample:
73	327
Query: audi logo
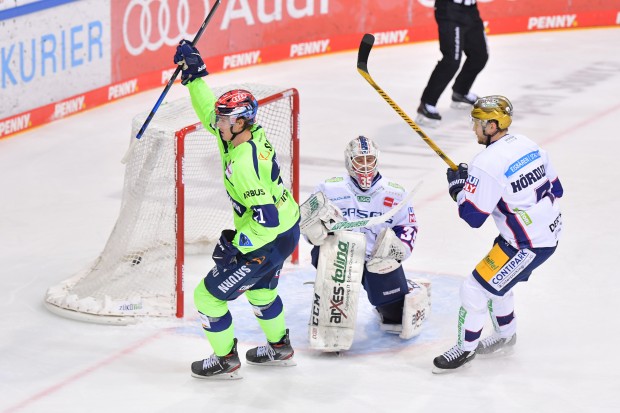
147	24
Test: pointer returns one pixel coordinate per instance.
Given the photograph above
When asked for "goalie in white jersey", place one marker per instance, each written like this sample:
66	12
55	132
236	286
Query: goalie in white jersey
513	181
365	193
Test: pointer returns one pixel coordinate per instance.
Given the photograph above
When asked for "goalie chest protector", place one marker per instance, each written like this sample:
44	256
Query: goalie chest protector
336	291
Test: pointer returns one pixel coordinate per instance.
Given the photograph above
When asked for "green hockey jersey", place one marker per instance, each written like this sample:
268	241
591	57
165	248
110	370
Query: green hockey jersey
263	207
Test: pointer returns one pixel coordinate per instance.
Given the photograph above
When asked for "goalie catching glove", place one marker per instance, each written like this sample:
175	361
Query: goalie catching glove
389	251
317	213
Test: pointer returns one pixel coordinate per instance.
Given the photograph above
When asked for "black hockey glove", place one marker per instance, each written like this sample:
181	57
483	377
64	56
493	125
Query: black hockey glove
192	65
225	253
456	179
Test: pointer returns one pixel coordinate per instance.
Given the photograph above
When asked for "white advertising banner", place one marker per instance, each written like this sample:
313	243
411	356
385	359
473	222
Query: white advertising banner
52	49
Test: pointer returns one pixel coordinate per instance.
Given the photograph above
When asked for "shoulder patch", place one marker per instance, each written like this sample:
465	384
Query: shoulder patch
244	241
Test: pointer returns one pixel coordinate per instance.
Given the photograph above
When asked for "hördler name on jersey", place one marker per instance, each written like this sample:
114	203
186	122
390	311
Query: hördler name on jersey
69	107
241	59
391	37
561	21
309	48
15	124
525	180
122	89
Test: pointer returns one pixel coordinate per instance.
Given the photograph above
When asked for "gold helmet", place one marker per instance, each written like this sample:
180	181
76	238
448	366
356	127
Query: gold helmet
494	107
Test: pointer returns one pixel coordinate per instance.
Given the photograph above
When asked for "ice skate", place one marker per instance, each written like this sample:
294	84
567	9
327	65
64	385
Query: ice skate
428	115
218	368
452	360
273	354
496	346
463	101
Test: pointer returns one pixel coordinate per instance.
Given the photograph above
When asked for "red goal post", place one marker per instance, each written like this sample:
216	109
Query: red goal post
174	203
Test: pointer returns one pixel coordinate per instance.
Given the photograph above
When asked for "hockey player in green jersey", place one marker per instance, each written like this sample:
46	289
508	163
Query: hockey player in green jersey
248	259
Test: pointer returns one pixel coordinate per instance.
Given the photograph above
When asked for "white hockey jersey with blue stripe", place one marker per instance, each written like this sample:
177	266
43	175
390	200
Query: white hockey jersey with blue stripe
514	181
379	199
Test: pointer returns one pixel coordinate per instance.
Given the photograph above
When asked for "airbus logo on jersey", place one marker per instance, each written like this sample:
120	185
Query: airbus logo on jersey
241	59
471	184
309	48
552	22
253	192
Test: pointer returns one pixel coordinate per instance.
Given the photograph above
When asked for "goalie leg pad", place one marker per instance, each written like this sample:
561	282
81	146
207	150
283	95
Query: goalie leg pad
336	291
416	309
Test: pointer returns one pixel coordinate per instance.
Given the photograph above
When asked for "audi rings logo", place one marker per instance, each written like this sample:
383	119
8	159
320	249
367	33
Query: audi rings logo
150	24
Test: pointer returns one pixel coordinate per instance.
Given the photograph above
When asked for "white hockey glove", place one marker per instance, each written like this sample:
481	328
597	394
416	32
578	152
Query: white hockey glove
316	213
387	253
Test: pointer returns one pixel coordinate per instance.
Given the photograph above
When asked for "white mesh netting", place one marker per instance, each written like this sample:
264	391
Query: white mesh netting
135	275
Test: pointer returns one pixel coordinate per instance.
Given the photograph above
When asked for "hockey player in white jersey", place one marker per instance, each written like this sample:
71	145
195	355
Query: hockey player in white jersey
513	181
364	193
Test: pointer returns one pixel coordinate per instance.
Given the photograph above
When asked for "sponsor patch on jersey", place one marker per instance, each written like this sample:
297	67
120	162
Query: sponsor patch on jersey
523	161
388	202
512	268
395	185
244	241
411	215
362	198
495	259
471	184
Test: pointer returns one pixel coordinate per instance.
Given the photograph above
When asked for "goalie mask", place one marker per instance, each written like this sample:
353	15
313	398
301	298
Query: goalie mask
361	158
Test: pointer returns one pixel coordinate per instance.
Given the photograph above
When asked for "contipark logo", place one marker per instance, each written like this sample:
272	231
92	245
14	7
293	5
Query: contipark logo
242	59
562	21
309	48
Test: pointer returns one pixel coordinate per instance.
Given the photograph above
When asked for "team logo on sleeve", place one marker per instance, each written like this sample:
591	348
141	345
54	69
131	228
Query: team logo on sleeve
471	184
388	202
244	241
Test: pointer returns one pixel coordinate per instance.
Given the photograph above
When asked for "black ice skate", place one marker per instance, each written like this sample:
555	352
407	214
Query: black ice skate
428	115
495	346
273	354
452	359
463	101
218	368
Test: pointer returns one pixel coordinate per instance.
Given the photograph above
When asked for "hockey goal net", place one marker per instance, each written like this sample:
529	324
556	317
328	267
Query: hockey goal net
173	202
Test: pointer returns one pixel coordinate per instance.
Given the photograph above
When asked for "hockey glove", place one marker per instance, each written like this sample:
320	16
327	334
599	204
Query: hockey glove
456	180
225	253
192	65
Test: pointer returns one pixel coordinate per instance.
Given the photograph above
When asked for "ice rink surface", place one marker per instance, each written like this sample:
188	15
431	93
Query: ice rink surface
61	187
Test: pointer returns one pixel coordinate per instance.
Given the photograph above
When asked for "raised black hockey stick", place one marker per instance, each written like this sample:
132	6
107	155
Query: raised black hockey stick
171	81
362	67
379	219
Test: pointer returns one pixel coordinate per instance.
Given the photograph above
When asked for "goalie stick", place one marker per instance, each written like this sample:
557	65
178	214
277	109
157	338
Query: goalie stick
376	220
362	67
170	82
